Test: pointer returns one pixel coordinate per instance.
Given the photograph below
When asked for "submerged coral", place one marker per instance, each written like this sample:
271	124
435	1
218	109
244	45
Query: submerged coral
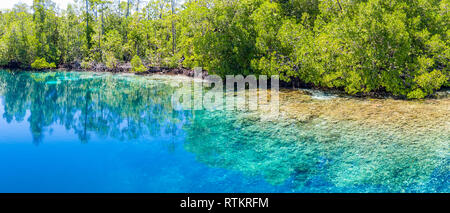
365	145
312	145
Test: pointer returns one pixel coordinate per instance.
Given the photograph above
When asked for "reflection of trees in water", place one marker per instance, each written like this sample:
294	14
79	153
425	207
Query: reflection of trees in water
328	156
107	106
319	155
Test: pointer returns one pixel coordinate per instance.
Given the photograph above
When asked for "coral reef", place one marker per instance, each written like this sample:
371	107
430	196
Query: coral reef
365	145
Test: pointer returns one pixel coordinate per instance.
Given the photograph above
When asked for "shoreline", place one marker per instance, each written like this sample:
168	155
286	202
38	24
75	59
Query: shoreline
305	133
294	84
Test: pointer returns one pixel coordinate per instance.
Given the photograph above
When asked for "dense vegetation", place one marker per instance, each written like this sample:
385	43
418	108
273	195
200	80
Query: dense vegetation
398	46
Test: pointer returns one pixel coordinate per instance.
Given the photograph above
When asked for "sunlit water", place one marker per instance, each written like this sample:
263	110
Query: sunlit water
87	132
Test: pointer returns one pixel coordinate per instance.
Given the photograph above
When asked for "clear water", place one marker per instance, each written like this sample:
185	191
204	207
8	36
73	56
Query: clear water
87	132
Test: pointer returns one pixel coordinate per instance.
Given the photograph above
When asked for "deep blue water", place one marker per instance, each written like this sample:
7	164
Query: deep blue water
86	132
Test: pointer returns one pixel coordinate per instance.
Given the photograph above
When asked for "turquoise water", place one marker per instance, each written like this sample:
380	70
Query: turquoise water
88	132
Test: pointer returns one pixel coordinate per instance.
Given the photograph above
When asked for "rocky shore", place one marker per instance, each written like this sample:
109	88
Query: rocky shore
295	83
126	68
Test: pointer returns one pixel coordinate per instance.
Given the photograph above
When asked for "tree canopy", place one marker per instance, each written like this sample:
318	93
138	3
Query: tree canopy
360	46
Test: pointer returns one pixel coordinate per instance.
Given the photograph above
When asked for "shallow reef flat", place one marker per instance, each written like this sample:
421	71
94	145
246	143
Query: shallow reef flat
413	117
318	142
334	145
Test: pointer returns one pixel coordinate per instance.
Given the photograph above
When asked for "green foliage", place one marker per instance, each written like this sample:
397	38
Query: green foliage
86	64
430	81
399	46
111	62
416	94
41	63
136	65
113	44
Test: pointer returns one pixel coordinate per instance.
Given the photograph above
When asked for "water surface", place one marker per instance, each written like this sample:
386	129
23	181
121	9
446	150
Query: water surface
90	132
